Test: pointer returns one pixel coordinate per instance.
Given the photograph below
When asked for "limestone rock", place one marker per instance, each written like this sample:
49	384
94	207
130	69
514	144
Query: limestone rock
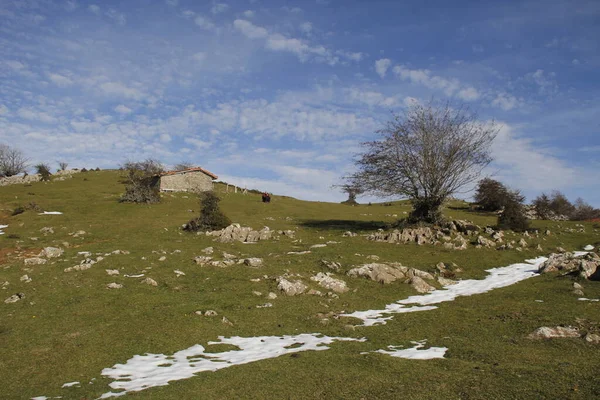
349	234
290	288
150	281
330	283
420	285
51	252
114	285
112	272
593	338
34	261
210	313
202	260
557	332
417	272
589	247
586	266
14	298
382	273
485	242
253	262
25	278
335	266
445	281
47	230
522	243
271	296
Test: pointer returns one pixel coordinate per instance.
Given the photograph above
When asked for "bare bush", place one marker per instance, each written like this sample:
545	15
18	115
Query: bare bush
426	154
583	211
183	166
211	217
12	161
141	181
43	170
352	192
62	165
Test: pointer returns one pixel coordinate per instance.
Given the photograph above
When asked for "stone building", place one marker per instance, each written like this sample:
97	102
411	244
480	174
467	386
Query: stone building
192	179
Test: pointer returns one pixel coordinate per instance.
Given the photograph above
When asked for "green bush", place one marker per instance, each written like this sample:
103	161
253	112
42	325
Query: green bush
211	217
141	181
491	195
513	216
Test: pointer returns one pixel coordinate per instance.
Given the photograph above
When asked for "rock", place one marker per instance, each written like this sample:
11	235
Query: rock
202	260
330	283
112	272
14	298
586	266
316	246
417	272
163	258
114	285
314	292
25	278
589	247
150	281
289	233
228	256
51	252
547	232
290	288
208	250
349	234
47	230
445	281
522	243
226	321
539	248
198	312
265	233
560	250
253	236
271	296
179	273
266	305
578	292
253	262
420	285
485	242
254	292
34	261
335	266
406	235
593	338
557	332
382	273
577	286
210	313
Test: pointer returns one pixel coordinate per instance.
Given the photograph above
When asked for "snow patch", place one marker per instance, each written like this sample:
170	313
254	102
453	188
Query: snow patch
589	247
50	213
413	353
1	229
69	384
585	299
151	370
497	278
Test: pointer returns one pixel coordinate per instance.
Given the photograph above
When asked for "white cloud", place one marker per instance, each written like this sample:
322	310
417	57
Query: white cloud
94	8
424	77
218	8
371	98
122	109
71	5
575	62
34	115
248	14
306	28
172	3
4	110
352	56
250	30
381	66
468	94
188	13
116	16
505	101
118	89
204	23
165	138
60	80
545	81
197	143
199	57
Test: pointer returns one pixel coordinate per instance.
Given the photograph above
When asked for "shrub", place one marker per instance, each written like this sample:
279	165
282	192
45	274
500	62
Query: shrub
84	170
141	181
583	211
17	211
542	206
97	169
491	195
43	170
513	216
211	217
12	161
183	166
560	204
62	166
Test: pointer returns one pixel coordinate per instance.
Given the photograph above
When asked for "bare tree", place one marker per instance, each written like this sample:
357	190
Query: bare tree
183	165
352	192
141	180
62	165
426	154
12	161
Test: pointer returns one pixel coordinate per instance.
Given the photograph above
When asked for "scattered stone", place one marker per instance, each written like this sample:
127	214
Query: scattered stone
589	247
163	258
349	234
47	230
539	248
299	252
114	285
445	281
150	281
228	256
179	273
557	332
586	266
593	338
266	305
14	298
328	282
290	288
547	232
210	313
271	296
202	260
51	252
25	278
335	266
112	272
421	274
208	250
314	292
485	242
373	257
256	293
253	262
382	273
522	243
420	285
235	232
560	250
34	261
226	321
407	235
316	246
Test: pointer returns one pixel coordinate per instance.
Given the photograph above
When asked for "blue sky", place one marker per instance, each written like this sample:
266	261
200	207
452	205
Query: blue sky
278	98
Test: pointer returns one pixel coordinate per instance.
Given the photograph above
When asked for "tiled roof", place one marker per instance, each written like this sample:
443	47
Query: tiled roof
195	169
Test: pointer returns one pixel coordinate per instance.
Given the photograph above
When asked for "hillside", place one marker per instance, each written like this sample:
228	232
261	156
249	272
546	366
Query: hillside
70	327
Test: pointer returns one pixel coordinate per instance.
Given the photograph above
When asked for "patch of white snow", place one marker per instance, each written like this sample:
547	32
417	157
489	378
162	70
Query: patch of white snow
69	384
589	247
584	299
50	213
414	353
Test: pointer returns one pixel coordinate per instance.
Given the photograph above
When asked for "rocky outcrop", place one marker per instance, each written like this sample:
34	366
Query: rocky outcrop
382	273
420	285
238	233
586	266
330	283
290	288
407	235
557	332
332	265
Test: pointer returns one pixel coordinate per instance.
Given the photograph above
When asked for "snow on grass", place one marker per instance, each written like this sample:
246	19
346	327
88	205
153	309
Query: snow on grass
151	370
69	384
585	299
413	353
50	213
1	229
497	278
589	247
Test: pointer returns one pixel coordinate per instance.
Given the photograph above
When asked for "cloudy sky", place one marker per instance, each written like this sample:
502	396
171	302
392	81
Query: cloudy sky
279	97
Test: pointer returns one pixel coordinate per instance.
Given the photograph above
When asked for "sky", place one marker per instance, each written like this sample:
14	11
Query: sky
278	95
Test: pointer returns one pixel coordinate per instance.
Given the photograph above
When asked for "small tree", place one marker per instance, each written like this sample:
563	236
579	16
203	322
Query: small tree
183	166
352	193
211	217
141	181
583	211
560	204
513	217
491	195
62	165
43	170
426	154
12	161
542	206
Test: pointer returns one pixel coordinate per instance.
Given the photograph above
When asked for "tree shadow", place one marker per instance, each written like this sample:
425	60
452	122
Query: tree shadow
344	224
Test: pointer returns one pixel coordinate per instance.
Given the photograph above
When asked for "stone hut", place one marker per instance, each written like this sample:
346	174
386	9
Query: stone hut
192	179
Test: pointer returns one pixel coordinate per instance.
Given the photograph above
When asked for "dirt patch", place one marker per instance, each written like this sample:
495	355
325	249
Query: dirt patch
6	254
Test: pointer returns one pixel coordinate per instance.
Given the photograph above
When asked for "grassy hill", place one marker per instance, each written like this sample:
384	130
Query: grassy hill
69	326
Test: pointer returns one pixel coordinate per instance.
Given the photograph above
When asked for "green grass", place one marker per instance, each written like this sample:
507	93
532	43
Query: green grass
69	326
